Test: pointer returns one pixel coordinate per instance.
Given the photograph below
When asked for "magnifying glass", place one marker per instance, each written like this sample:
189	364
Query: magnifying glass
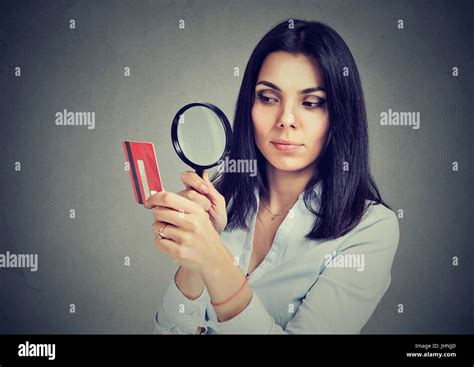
201	135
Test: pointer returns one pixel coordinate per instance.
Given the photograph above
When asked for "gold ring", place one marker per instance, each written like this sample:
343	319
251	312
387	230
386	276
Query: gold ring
160	232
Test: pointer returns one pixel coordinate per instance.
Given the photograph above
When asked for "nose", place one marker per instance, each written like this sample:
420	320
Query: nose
287	118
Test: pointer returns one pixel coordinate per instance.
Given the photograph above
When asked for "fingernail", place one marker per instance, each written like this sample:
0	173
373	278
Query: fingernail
204	188
153	192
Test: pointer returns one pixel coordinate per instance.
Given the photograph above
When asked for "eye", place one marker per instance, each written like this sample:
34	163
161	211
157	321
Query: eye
265	99
318	104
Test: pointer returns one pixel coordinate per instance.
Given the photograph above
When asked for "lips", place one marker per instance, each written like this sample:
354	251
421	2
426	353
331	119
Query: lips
286	145
285	142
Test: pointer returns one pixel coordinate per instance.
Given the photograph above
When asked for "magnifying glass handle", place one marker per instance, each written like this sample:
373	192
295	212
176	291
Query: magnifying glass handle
200	172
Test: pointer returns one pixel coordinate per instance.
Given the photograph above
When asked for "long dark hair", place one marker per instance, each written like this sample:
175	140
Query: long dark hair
343	192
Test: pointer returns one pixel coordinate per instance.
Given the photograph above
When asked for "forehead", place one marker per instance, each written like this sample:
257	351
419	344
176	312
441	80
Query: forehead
289	71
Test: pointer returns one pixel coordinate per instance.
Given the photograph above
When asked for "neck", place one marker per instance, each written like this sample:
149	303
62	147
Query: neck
285	187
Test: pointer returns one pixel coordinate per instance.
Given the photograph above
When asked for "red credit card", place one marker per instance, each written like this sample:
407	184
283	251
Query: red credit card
144	171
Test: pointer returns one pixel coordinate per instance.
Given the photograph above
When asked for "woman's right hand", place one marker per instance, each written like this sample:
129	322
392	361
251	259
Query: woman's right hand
202	192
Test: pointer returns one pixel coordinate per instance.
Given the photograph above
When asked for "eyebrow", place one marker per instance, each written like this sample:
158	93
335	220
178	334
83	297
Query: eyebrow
304	91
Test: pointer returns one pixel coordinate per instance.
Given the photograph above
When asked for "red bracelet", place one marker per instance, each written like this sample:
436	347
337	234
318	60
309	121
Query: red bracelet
232	296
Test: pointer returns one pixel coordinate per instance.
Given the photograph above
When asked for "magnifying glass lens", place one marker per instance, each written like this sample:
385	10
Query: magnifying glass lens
201	136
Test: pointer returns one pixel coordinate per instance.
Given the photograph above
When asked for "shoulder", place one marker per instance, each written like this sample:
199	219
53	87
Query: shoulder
378	227
377	212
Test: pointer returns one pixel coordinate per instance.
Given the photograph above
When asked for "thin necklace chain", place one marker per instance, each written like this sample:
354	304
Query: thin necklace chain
268	210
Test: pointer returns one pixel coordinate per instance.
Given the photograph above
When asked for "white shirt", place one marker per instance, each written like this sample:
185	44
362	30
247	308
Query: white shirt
302	286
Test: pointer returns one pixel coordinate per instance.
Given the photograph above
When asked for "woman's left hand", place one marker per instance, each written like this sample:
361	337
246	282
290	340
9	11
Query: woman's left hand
190	238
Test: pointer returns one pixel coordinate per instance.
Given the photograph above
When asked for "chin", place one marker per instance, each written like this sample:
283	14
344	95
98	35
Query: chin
287	164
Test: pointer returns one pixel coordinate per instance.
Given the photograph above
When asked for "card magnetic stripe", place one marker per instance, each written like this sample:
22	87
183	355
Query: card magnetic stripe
134	172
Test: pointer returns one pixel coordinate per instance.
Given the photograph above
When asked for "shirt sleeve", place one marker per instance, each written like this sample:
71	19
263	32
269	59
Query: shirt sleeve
178	314
342	299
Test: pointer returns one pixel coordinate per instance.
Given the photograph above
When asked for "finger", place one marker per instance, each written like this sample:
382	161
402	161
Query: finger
168	247
214	195
169	231
174	201
148	203
168	216
196	197
193	181
183	221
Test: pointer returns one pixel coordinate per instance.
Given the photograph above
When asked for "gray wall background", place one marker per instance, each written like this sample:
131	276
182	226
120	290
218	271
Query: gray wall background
81	260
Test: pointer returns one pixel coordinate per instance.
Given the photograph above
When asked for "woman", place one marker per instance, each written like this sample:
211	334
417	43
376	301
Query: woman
306	245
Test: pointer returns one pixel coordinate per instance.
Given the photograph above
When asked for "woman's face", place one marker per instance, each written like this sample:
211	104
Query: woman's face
289	113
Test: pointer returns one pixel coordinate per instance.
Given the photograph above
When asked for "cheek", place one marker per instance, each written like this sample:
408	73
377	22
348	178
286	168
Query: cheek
321	129
316	130
262	122
258	115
